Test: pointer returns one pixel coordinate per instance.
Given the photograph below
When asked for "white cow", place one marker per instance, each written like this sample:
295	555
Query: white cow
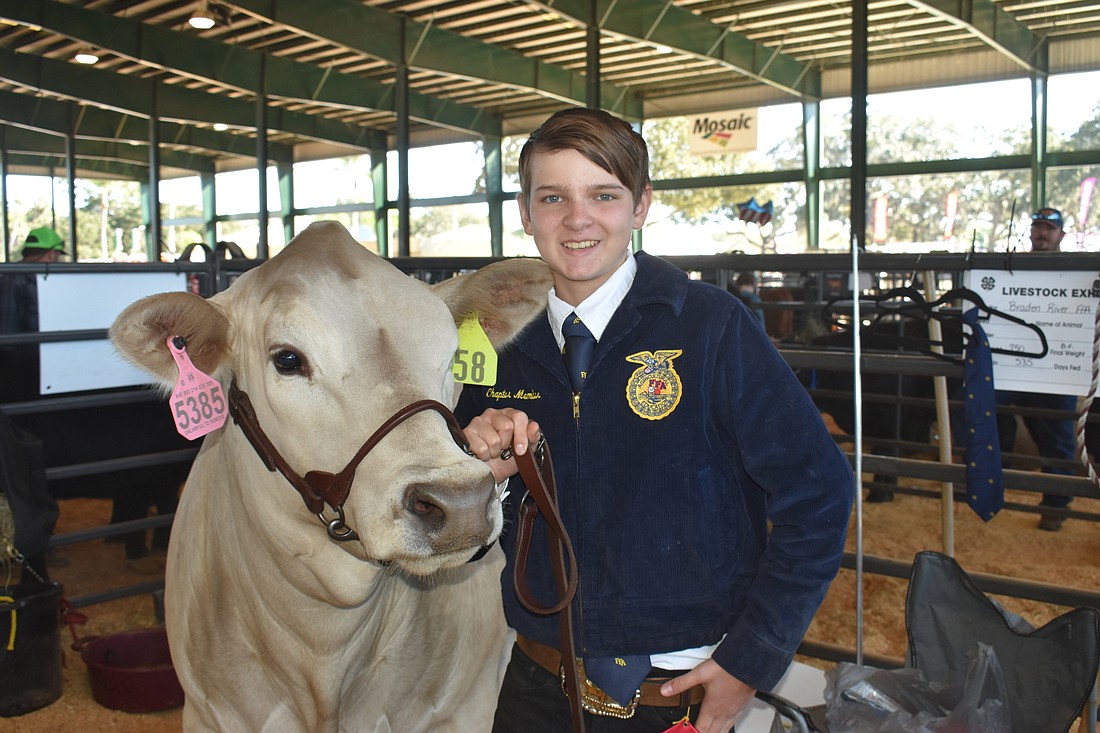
273	625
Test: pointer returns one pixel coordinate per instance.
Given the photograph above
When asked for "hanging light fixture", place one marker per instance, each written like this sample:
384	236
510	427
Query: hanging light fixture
203	18
86	55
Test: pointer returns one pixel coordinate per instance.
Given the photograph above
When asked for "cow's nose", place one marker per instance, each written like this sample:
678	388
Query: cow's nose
452	517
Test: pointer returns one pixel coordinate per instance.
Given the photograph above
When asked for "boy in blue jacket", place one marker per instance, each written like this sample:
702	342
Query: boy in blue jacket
707	503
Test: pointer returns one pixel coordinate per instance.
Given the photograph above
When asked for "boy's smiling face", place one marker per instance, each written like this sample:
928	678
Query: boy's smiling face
581	218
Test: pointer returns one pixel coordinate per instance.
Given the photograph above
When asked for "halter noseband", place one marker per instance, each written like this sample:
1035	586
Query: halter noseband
318	488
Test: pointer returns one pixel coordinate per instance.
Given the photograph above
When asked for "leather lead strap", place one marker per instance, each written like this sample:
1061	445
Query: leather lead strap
539	479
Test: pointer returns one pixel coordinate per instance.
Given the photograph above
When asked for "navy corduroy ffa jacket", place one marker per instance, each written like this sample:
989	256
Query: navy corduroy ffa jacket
693	436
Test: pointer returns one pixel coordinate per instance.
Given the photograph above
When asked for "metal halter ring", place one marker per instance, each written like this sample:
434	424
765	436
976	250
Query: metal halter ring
338	528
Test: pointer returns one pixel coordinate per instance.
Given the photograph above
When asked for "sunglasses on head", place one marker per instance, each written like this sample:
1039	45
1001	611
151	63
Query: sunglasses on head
1047	215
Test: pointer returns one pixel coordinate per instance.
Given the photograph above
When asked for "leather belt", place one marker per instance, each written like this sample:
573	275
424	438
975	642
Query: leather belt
550	659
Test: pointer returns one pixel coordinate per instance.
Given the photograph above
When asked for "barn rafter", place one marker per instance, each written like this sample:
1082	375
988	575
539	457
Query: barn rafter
359	75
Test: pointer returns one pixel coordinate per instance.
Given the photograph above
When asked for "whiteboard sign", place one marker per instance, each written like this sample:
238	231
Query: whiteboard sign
79	301
1063	305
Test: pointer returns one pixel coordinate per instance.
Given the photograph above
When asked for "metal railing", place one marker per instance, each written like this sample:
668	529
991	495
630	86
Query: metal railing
216	274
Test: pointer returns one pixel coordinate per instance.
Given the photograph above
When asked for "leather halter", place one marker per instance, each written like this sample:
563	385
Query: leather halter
318	488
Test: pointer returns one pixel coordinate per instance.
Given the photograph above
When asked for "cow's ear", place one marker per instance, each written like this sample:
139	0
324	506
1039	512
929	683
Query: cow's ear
506	295
141	331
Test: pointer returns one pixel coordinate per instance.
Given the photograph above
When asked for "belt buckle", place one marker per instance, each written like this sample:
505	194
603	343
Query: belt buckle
598	702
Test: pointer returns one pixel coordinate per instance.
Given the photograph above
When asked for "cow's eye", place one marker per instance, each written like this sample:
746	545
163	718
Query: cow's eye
287	362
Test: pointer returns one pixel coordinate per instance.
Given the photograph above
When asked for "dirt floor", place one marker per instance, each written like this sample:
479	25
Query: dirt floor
1010	545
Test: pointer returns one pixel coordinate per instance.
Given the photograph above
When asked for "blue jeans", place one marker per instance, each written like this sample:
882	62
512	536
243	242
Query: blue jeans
1053	437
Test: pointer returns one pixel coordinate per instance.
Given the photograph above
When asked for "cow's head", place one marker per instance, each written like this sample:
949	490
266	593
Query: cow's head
329	341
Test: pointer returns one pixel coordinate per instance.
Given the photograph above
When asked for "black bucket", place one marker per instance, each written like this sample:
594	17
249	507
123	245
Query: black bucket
30	647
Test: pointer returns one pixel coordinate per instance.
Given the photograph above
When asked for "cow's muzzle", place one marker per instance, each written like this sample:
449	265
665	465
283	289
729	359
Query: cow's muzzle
318	488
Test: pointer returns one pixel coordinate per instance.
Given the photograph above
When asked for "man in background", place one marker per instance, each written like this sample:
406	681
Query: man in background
747	292
1052	436
1047	230
19	314
19	291
34	511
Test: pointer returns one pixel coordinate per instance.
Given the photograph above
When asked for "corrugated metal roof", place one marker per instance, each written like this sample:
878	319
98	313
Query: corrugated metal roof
330	68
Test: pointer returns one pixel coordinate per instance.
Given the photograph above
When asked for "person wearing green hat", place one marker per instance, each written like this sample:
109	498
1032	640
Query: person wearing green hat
19	290
43	245
19	314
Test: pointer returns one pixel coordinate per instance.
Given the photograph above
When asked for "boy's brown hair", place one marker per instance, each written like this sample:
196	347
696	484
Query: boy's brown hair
607	141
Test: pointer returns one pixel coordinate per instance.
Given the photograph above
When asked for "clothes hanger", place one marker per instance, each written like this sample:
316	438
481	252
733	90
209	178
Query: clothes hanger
908	302
989	312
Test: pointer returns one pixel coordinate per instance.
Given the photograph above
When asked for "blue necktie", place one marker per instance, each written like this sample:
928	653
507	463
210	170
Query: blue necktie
984	481
619	677
579	345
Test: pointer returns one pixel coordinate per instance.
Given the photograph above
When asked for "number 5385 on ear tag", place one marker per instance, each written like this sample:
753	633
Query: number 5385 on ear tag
198	406
475	360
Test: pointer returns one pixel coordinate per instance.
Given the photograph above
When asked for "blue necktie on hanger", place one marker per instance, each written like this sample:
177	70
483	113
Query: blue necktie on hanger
579	345
984	481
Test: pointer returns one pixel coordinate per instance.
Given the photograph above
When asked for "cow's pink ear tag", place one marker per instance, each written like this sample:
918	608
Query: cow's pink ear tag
198	404
682	726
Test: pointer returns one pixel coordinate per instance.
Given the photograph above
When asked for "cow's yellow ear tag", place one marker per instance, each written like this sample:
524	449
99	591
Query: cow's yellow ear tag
475	360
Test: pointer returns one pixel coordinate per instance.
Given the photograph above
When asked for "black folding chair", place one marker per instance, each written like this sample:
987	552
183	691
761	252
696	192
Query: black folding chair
1049	672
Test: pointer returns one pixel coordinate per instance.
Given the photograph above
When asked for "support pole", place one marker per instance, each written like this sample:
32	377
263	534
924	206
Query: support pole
858	237
378	177
262	251
70	174
8	246
401	104
811	146
859	123
1038	141
494	190
152	234
592	56
943	421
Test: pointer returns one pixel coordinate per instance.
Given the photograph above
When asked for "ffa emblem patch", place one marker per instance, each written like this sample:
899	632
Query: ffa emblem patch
653	390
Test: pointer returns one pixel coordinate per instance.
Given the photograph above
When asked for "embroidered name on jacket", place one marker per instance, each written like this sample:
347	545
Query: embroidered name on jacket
653	390
507	394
